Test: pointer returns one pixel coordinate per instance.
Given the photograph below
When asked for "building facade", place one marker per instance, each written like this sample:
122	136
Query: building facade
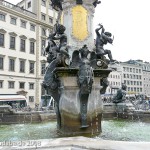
134	73
132	76
114	79
24	29
146	76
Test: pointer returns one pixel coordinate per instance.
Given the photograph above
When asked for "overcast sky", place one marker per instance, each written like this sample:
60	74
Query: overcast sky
129	22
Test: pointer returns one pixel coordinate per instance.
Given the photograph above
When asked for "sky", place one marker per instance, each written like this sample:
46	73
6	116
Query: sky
129	22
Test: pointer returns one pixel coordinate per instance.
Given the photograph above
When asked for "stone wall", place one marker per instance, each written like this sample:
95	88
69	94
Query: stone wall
7	116
124	111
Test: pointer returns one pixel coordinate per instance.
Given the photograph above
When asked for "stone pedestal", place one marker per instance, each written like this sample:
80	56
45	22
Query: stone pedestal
69	104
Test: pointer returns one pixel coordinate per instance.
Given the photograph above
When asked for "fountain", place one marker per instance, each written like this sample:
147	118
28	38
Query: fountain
77	75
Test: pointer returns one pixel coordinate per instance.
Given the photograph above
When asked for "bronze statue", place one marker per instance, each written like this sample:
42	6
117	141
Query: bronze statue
121	95
56	58
51	49
104	83
62	37
56	54
79	2
96	2
82	58
57	4
102	39
85	74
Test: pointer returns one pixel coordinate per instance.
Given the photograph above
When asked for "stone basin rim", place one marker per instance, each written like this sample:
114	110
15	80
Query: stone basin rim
80	143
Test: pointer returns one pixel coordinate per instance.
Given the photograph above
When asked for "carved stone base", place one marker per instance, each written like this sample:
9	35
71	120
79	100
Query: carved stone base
69	105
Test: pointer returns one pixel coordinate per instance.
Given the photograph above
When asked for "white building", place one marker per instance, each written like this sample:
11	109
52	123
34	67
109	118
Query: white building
24	29
132	76
146	76
115	79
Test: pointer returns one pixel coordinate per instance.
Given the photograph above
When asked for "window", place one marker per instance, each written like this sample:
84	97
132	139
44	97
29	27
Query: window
128	88
130	69
43	32
134	89
43	3
29	4
21	85
134	82
13	21
11	84
1	63
2	17
1	84
50	20
31	67
31	47
12	42
43	66
22	66
42	46
43	17
22	45
31	86
31	98
23	24
32	27
1	39
11	64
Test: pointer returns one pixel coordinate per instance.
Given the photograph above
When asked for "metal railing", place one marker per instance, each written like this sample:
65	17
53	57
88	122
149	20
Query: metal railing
17	8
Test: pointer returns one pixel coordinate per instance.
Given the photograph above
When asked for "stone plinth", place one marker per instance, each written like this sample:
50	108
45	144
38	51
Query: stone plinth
69	104
78	20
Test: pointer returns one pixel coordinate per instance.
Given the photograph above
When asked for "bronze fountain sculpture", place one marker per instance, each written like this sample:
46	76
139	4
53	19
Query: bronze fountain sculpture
76	76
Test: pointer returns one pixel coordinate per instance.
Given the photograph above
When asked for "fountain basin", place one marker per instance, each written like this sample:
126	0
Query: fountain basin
116	130
117	135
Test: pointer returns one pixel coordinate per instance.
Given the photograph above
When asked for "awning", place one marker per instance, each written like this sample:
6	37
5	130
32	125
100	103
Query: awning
12	98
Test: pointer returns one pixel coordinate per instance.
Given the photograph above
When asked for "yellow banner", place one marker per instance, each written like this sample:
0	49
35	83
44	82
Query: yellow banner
80	28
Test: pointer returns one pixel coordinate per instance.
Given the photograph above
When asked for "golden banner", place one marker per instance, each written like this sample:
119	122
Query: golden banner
80	28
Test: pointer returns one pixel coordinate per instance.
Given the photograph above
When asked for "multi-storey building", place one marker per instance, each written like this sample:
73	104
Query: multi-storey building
146	76
115	79
132	76
24	29
134	73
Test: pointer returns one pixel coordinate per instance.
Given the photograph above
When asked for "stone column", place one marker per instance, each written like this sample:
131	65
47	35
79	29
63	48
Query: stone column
37	63
78	20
